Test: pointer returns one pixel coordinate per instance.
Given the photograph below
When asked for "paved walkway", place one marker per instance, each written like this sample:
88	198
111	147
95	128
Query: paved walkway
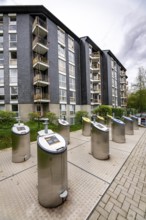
126	196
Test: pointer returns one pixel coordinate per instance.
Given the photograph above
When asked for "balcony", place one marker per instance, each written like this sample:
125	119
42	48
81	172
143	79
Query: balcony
42	98
40	62
95	79
40	80
95	56
40	45
39	27
95	101
96	90
72	99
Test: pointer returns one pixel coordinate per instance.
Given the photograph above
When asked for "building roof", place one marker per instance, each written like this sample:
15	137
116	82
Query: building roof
37	9
90	41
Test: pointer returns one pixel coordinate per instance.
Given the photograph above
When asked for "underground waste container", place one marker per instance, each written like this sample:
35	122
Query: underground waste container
64	129
86	126
20	143
99	141
52	170
118	131
129	126
135	122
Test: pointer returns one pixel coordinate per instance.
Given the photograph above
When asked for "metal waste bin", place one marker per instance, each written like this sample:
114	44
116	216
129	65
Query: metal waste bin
99	141
109	119
86	126
129	126
135	122
100	119
118	131
64	130
20	143
52	170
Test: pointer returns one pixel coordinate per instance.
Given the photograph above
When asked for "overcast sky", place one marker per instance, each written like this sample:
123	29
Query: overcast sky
118	25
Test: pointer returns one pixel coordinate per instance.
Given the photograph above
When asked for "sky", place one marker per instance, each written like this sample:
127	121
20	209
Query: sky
117	25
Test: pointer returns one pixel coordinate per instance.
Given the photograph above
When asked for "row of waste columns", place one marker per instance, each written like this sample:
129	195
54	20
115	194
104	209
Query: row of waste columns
52	152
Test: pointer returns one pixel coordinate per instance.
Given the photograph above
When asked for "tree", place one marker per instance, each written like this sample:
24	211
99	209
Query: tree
137	99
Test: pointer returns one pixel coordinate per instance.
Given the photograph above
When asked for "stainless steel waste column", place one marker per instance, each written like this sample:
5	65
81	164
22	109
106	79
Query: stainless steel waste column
64	130
20	143
99	141
118	131
86	126
52	170
129	125
135	121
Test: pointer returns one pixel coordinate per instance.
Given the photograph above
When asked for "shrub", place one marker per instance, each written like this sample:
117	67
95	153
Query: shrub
103	110
52	117
7	118
79	115
33	116
118	112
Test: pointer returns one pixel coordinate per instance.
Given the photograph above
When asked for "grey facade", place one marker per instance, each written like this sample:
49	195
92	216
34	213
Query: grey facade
45	67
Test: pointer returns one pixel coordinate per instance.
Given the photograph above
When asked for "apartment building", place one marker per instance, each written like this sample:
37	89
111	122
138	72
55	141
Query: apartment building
45	67
114	81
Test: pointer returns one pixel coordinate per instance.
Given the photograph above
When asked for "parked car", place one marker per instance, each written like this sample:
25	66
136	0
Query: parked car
142	117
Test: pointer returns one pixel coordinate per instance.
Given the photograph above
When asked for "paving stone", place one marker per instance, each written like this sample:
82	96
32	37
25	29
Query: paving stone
142	206
113	215
131	215
109	206
120	217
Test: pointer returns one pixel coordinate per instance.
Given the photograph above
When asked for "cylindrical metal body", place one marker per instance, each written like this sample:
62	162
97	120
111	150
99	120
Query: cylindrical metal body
129	125
86	126
64	130
99	141
20	143
100	119
118	131
135	121
52	170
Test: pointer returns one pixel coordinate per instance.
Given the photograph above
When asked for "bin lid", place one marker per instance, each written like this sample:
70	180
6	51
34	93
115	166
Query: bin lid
86	119
42	132
63	122
118	121
100	126
127	118
53	143
101	118
133	116
20	129
110	116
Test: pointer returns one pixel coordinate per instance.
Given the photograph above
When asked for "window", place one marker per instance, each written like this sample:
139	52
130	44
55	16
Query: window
63	109
70	43
71	57
13	40
71	70
1	76
12	23
1	40
62	66
14	93
71	83
1	23
2	107
61	36
61	51
62	81
72	109
13	58
1	58
2	94
90	50
62	95
13	76
72	96
15	109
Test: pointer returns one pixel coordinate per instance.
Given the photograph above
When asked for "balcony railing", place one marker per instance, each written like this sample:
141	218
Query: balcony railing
40	62
41	97
39	27
40	40
41	80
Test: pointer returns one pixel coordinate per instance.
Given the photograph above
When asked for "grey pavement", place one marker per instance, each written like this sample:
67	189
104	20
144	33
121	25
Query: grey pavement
97	189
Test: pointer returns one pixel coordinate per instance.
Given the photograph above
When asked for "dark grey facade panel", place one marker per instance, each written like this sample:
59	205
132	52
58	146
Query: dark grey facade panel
24	59
6	59
53	62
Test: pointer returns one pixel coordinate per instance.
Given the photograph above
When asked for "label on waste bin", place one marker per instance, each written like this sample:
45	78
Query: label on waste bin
100	126
101	118
86	119
127	118
53	143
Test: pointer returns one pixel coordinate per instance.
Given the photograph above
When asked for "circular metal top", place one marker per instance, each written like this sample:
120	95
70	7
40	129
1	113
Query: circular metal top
20	129
52	143
101	118
63	122
118	121
127	118
100	126
86	119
